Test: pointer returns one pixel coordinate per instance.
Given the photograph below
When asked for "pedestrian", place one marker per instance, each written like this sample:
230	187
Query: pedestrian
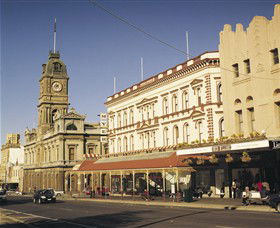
266	186
259	185
246	197
233	188
222	193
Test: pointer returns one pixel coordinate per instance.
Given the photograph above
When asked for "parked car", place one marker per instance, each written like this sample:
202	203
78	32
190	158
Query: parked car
44	196
274	201
57	192
3	195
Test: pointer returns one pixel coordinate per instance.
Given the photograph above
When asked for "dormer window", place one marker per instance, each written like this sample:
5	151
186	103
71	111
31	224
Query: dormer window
57	67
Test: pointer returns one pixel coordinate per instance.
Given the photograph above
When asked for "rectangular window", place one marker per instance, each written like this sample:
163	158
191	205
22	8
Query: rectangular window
247	66
275	56
251	119
239	121
71	153
235	70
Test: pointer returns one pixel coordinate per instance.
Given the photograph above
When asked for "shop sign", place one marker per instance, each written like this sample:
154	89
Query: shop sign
207	149
219	148
250	145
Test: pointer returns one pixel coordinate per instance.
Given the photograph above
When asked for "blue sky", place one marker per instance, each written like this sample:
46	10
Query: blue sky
96	47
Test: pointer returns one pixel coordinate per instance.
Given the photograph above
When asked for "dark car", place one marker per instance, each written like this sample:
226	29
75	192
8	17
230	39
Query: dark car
274	201
3	196
44	196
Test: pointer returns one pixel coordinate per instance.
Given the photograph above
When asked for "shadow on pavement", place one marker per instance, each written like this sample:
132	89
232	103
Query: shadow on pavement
125	218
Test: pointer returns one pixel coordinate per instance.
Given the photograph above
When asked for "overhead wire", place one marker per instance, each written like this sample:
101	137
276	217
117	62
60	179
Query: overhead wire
126	21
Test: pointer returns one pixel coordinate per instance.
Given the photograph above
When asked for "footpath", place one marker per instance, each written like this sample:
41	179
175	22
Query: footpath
205	203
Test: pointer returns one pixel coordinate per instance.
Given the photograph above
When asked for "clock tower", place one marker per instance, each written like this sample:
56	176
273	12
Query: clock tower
53	91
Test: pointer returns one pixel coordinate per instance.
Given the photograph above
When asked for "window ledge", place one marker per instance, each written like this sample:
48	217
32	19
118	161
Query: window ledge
275	68
238	81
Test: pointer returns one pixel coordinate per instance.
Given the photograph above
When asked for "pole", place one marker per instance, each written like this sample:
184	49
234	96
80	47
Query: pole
133	183
114	85
54	36
142	69
187	43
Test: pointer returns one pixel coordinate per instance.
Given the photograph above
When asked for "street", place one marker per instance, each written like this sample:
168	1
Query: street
93	214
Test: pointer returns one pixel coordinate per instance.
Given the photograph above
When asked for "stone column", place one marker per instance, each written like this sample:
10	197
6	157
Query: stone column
148	182
163	183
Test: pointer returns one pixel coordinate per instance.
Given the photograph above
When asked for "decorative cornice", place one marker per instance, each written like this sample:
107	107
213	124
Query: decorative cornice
186	68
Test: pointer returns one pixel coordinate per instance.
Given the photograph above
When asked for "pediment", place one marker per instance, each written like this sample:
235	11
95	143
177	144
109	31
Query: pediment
72	114
196	81
144	125
145	100
196	113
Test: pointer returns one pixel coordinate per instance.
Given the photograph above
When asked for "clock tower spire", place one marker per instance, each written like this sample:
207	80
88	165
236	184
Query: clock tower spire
53	90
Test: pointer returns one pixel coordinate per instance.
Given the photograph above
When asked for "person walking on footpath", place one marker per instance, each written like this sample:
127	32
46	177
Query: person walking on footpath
233	188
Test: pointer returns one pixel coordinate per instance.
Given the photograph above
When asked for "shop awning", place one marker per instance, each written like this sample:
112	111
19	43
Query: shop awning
141	161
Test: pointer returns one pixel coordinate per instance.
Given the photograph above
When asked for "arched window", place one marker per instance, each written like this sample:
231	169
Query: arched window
119	120
154	138
124	119
185	99
71	127
53	114
125	145
56	67
198	93
174	103
222	127
131	116
131	143
142	140
148	139
119	145
165	106
219	92
186	133
199	130
175	135
165	136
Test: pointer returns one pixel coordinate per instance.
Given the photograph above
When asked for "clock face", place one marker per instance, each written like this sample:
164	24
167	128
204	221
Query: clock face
57	87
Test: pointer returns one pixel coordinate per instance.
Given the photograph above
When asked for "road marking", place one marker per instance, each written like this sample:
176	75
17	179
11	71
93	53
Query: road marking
225	227
38	216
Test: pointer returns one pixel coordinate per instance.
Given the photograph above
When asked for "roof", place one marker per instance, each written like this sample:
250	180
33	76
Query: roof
206	59
165	160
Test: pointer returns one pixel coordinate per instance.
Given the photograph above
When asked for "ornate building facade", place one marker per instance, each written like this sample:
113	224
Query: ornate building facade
180	105
62	137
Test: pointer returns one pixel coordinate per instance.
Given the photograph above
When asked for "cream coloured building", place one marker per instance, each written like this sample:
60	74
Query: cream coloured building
251	76
250	72
12	158
180	105
62	138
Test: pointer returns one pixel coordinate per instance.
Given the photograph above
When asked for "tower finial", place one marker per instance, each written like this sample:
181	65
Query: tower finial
54	36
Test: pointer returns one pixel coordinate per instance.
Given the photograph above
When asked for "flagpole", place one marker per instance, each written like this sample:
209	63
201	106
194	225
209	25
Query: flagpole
54	36
142	69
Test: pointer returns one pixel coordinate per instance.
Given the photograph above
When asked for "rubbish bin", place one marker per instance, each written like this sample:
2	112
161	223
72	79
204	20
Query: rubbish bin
188	195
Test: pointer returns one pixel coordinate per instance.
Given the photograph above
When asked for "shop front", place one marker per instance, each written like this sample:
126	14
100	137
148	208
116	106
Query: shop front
246	163
162	174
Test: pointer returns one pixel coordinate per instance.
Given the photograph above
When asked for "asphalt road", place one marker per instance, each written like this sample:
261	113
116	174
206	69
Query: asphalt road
95	214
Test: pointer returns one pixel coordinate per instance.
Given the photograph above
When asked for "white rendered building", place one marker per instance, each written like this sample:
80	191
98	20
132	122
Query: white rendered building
180	105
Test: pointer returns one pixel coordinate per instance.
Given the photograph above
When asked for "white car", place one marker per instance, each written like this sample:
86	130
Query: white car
57	192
